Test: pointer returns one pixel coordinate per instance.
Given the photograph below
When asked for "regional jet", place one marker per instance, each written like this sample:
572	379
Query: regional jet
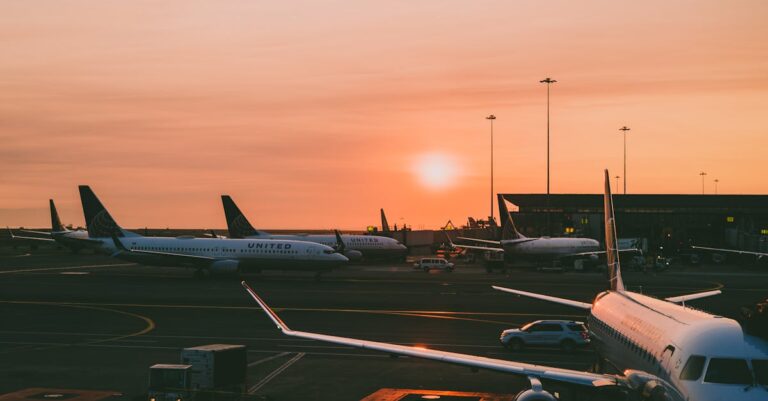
665	351
518	246
75	240
356	247
206	255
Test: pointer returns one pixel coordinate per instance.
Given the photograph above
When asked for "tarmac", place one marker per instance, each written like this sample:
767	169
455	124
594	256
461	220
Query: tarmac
94	323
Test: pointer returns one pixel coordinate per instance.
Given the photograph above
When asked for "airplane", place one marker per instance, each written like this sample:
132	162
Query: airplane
75	240
518	246
664	350
356	247
206	255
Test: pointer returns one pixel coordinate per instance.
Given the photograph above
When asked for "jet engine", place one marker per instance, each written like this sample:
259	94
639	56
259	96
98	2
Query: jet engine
353	254
225	267
650	387
535	393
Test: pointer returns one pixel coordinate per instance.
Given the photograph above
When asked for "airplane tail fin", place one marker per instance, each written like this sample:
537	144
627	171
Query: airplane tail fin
615	282
508	229
237	224
384	224
56	225
97	219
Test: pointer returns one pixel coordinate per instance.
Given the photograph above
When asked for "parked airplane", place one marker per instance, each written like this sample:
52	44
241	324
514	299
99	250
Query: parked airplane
665	351
518	246
75	240
212	255
356	247
384	224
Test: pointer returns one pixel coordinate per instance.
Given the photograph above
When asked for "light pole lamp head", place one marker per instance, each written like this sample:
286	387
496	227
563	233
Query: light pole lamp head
624	129
547	81
491	117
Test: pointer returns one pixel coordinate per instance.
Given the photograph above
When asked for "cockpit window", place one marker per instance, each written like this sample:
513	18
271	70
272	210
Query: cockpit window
760	366
693	368
328	251
728	371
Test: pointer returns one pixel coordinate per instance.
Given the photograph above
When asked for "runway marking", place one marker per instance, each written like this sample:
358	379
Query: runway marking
256	308
267	359
65	268
276	372
149	327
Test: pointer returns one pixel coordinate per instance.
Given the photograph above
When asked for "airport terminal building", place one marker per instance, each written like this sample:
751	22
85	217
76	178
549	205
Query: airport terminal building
670	221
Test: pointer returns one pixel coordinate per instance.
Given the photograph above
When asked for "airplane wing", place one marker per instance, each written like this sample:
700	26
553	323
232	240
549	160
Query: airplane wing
684	298
562	301
15	237
518	368
485	241
590	253
498	248
758	254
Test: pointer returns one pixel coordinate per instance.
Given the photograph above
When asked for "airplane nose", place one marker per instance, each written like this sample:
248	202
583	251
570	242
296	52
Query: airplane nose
340	258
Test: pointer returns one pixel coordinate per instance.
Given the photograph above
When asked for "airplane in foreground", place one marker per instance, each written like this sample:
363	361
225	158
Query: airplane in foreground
356	247
518	246
206	255
665	351
75	240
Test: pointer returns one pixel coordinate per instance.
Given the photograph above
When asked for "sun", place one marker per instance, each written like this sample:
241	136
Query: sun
436	170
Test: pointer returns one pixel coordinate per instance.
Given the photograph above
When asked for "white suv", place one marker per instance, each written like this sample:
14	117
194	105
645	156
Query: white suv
434	263
566	334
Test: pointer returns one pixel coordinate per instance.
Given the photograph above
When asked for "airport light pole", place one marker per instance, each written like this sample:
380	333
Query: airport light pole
702	174
491	118
549	82
617	181
624	129
716	181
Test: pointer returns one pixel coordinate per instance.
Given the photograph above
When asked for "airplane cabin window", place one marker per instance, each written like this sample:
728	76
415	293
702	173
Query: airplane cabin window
728	371
760	366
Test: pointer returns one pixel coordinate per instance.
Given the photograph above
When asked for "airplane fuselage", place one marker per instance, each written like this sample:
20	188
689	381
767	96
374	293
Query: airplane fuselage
370	246
634	331
227	254
545	247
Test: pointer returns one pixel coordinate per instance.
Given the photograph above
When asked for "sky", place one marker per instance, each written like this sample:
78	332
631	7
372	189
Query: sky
315	114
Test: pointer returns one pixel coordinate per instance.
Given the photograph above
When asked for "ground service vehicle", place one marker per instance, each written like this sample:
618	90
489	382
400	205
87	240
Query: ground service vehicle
566	334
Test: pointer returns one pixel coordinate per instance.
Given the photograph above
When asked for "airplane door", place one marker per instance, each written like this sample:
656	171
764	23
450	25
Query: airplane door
665	364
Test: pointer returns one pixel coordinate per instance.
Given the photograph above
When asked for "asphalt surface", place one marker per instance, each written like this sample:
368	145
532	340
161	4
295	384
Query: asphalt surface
91	322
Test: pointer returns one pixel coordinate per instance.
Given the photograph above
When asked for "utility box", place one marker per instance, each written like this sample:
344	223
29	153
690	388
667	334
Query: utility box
220	367
168	382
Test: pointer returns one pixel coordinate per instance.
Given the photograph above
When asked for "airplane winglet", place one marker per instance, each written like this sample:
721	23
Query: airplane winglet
272	315
10	232
450	242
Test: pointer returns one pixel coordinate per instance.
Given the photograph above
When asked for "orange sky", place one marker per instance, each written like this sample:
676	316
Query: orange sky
314	114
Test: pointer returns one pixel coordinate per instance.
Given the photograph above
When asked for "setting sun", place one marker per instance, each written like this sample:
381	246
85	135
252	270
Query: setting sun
436	170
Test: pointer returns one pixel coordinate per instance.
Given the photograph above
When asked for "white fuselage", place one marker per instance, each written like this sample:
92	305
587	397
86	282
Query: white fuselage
546	247
634	331
248	253
368	245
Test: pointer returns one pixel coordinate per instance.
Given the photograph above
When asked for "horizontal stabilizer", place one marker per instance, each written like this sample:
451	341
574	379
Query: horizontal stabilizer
689	297
562	301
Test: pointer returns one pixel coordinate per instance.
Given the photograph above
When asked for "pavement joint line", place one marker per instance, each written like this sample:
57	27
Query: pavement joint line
274	373
267	359
281	309
66	268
